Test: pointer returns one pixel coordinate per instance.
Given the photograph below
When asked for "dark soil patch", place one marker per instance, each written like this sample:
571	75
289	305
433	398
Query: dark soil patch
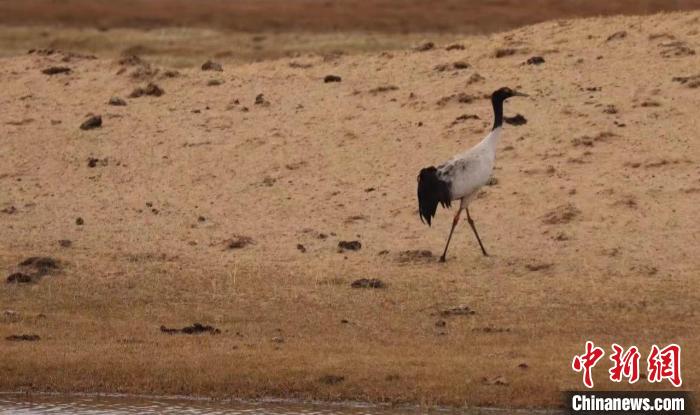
415	255
92	122
518	119
425	47
19	278
212	66
23	338
55	70
383	88
196	328
368	283
535	60
462	310
561	214
116	101
151	89
331	379
238	242
349	246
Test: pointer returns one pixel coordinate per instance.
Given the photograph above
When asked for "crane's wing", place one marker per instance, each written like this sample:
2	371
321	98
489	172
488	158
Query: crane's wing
432	189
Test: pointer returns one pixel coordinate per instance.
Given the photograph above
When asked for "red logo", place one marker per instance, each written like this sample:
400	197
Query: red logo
665	364
586	361
662	364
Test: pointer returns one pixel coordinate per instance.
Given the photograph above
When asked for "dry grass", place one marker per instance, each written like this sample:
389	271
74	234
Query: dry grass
394	16
621	268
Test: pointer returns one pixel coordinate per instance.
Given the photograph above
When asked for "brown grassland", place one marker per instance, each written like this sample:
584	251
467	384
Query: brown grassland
591	223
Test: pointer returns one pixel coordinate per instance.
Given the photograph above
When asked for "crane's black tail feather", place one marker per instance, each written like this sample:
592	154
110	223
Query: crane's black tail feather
431	191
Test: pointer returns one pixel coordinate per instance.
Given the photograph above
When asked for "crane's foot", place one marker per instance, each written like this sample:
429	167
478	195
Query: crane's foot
485	254
442	258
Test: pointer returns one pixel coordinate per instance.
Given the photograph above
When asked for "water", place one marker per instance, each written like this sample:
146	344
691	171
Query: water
45	404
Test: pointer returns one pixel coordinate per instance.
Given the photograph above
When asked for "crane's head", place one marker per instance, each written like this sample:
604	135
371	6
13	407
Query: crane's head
504	93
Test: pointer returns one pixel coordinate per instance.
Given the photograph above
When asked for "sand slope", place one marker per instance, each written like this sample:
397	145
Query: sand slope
592	223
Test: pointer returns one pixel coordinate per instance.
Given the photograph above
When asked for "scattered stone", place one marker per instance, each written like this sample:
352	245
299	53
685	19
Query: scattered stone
79	221
94	162
689	81
215	82
11	210
440	323
116	101
475	78
43	265
19	278
260	100
518	119
610	109
65	243
561	214
149	90
535	60
455	46
676	49
349	246
383	88
590	141
456	66
301	248
497	381
538	266
170	73
212	66
415	255
463	310
368	283
503	52
55	70
523	366
617	36
331	379
461	98
332	78
196	328
238	242
23	338
425	47
92	122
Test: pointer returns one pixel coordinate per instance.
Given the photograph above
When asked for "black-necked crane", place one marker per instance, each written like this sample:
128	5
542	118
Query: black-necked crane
461	177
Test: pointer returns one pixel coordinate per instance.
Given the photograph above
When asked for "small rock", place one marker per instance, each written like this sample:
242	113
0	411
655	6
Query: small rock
301	248
440	323
518	119
425	47
463	310
455	46
116	101
55	70
332	78
503	52
23	338
79	221
9	210
212	66
238	242
349	246
65	243
383	88
196	328
535	60
215	82
94	121
538	266
561	214
19	278
523	366
368	283
617	36
150	90
260	100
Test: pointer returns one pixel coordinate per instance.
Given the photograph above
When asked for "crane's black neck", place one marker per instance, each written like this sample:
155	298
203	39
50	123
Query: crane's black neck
497	112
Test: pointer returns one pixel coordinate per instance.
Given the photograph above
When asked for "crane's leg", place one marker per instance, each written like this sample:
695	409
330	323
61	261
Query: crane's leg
454	224
471	223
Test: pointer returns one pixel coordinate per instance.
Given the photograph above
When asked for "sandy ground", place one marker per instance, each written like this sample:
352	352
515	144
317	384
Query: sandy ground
223	201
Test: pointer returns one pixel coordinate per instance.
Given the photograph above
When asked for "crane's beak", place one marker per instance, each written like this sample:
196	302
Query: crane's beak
520	94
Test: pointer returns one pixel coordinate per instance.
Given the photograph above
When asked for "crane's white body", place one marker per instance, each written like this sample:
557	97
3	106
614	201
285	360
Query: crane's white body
468	171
